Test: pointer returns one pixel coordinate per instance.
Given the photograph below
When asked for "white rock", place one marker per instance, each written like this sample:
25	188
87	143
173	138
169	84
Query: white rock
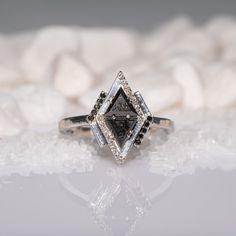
162	38
9	76
11	121
7	53
13	46
89	99
159	90
216	25
223	30
47	44
72	77
10	73
229	54
134	66
103	48
228	37
19	43
40	105
172	61
220	86
189	79
195	42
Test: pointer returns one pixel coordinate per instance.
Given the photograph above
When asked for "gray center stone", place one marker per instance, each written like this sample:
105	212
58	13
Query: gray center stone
121	117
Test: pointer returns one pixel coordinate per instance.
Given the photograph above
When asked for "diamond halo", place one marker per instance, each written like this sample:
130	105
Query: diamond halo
120	118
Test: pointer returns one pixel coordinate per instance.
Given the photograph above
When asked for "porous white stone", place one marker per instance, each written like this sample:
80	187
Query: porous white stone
158	89
196	42
218	24
39	104
72	77
133	67
7	53
89	99
47	44
9	77
163	37
10	50
229	54
189	79
14	45
220	86
102	48
11	120
223	29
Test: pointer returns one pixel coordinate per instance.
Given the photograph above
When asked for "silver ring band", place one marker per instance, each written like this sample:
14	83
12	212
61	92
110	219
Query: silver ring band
78	124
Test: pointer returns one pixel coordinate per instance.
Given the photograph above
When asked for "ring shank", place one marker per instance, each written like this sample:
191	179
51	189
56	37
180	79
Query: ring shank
73	125
163	123
78	124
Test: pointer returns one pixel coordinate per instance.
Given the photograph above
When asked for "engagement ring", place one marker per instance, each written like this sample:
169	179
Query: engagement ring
119	119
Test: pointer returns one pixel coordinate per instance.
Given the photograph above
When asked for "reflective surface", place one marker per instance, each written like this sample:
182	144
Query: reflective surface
111	200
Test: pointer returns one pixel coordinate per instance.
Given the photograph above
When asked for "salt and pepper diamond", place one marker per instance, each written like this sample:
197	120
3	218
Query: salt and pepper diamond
120	118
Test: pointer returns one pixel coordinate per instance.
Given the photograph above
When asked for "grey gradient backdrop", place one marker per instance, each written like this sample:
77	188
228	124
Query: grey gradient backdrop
21	15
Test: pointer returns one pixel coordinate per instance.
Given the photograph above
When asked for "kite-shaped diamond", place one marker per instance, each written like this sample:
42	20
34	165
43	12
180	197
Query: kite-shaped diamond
119	118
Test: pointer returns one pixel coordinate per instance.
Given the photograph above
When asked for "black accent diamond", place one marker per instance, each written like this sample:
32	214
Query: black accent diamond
121	117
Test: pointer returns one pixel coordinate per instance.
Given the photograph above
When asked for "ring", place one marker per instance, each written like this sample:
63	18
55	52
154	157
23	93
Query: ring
119	119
